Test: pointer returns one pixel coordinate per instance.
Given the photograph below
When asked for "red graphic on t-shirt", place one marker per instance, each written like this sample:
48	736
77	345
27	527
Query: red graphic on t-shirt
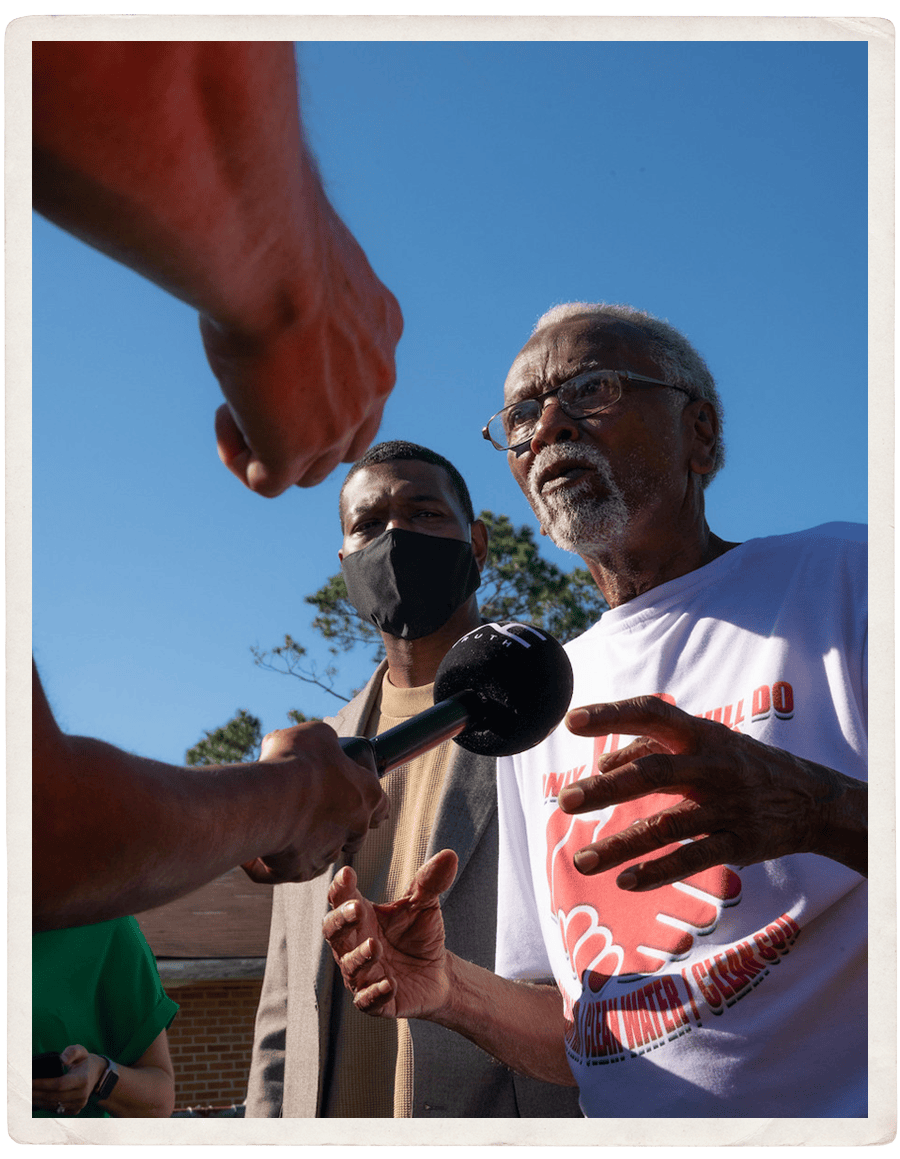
608	931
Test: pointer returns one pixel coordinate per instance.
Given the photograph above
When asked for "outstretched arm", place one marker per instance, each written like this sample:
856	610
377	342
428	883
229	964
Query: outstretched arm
186	162
394	960
114	833
741	801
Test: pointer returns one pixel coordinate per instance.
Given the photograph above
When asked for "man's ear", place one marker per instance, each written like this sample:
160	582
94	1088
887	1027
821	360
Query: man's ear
479	543
703	432
341	556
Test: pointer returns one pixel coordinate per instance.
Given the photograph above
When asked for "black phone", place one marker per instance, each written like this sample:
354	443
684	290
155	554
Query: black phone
47	1066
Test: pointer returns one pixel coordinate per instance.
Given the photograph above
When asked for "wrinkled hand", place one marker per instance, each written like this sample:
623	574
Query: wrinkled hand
392	957
309	396
339	800
741	801
72	1091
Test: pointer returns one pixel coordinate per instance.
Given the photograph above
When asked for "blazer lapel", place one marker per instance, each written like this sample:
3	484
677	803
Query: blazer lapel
467	804
349	721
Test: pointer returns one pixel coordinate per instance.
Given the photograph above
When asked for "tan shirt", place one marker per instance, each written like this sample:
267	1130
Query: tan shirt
372	1057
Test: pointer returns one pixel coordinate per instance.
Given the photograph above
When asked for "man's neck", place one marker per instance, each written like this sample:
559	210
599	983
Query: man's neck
412	663
624	573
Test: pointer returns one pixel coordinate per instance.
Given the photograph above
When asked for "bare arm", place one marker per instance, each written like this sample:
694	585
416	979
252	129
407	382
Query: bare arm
186	162
393	959
145	1090
519	1023
741	802
114	833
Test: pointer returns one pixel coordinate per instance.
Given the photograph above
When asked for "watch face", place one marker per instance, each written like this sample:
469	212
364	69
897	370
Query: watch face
109	1080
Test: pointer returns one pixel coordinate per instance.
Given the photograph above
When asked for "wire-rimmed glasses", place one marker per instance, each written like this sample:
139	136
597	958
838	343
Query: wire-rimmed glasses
579	397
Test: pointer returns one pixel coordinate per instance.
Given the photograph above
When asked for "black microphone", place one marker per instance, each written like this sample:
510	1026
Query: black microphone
501	689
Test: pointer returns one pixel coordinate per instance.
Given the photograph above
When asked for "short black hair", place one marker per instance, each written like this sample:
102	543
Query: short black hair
397	450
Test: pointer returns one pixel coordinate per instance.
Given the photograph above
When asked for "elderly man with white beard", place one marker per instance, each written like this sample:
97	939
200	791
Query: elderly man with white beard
686	854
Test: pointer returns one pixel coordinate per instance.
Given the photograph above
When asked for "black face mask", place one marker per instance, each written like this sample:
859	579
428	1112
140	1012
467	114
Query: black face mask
408	584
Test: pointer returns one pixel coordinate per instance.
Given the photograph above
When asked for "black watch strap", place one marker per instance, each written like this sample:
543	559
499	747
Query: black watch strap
106	1082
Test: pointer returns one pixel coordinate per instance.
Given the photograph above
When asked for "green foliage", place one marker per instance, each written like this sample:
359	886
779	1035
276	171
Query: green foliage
238	740
298	717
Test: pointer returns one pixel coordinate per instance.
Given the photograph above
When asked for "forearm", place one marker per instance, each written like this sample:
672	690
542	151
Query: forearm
844	827
519	1023
186	162
115	834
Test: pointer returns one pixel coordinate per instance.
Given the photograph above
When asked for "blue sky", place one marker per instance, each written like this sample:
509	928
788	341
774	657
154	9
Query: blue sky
721	185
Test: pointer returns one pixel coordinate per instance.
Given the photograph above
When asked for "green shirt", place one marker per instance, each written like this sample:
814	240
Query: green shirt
98	986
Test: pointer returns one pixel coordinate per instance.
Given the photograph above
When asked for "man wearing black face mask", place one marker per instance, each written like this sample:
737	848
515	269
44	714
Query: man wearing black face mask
411	556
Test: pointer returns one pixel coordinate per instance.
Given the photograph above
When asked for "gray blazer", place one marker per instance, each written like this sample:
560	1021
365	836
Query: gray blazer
452	1077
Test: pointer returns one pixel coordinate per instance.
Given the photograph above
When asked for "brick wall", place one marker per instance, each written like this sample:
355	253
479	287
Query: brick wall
210	1041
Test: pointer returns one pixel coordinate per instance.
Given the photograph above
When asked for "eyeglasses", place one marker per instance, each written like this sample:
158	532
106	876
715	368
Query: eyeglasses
578	398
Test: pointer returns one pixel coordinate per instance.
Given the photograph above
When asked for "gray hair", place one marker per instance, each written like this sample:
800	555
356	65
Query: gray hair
679	362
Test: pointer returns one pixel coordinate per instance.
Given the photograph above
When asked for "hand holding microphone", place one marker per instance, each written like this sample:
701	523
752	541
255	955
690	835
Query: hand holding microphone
330	802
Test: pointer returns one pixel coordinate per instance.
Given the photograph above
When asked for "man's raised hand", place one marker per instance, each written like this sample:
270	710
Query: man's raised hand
734	800
392	956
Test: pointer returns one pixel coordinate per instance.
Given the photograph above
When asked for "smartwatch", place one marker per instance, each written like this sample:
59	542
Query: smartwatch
106	1082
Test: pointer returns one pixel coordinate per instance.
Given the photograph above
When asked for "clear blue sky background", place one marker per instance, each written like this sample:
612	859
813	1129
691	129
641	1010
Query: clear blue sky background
720	185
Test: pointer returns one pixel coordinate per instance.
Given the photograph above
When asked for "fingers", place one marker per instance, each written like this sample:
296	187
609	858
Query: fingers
69	1094
304	470
343	887
73	1054
642	715
239	458
641	747
683	822
359	961
340	929
265	478
686	862
655	772
354	841
381	813
357	955
433	878
364	436
372	999
258	871
314	471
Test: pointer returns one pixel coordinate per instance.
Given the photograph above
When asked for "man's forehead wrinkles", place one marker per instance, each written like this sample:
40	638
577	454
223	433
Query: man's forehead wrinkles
382	497
554	364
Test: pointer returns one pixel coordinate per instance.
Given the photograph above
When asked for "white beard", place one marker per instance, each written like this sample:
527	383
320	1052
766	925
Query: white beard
574	517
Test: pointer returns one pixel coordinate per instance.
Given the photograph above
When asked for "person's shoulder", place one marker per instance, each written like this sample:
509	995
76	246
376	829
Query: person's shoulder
578	643
840	550
839	532
835	536
357	703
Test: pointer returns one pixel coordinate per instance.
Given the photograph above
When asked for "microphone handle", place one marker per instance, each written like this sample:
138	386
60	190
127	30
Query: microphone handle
424	731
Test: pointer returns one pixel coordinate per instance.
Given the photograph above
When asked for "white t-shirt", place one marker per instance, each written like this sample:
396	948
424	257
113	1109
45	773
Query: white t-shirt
740	992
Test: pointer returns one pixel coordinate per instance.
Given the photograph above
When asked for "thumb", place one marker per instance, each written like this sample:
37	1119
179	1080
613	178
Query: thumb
73	1054
433	878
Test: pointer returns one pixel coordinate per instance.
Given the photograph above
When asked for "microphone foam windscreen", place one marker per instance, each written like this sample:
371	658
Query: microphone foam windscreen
522	681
